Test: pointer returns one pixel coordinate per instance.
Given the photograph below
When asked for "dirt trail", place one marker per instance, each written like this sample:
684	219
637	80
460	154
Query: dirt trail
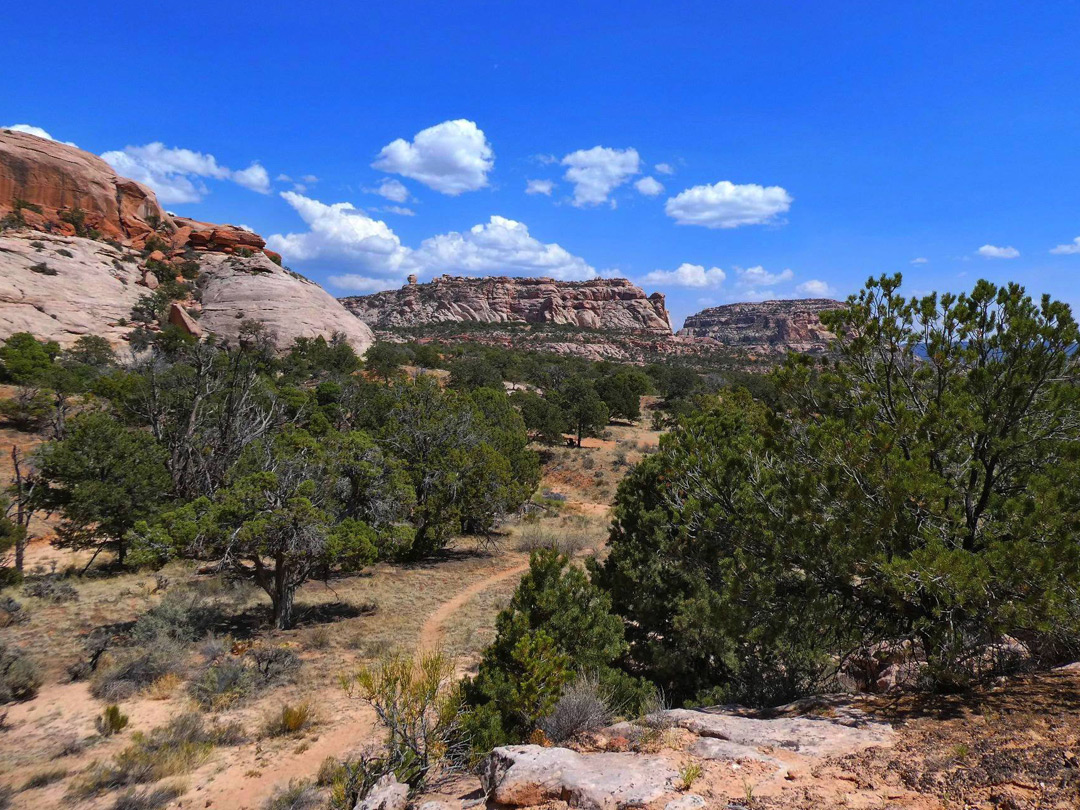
432	631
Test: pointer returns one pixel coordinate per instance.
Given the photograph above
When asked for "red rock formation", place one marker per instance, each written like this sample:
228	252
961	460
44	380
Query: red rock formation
764	327
55	178
44	184
603	304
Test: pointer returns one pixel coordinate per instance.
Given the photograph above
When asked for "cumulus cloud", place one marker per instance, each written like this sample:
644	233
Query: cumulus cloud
596	172
1068	249
176	174
815	288
340	232
995	252
30	129
501	246
391	189
726	205
758	277
920	260
688	275
451	157
664	168
539	187
649	186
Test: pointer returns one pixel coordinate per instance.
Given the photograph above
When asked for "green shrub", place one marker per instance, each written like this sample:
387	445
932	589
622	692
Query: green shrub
290	719
45	778
223	683
111	721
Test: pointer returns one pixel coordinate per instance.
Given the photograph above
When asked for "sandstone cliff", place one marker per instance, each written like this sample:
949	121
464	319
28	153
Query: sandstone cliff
81	245
765	327
602	304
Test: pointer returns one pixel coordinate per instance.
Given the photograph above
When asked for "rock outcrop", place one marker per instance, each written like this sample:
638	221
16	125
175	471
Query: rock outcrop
766	327
81	245
529	775
603	304
235	289
62	288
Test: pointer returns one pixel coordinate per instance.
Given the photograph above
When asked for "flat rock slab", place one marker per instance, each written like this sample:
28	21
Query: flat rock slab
812	736
715	748
526	775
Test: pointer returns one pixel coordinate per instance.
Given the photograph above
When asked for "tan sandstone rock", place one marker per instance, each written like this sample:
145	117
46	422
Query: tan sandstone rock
764	327
526	775
386	794
235	289
60	297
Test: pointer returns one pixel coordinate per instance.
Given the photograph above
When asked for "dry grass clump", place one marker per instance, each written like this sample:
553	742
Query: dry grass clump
177	748
45	778
121	676
227	679
585	706
299	794
535	537
164	687
148	798
290	719
20	678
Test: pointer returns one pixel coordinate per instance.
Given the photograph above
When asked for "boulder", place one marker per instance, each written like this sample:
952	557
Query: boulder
386	794
180	317
525	775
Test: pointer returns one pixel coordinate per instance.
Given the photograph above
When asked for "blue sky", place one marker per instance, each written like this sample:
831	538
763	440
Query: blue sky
803	146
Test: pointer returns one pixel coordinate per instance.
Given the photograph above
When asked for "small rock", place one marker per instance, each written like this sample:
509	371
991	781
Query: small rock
156	256
687	802
387	794
150	280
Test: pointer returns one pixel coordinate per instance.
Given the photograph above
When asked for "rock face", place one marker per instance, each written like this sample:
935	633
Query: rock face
54	177
236	289
608	304
525	775
766	327
59	284
61	288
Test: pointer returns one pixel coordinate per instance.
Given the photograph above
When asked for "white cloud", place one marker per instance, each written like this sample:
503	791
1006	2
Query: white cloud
355	283
688	275
815	288
500	246
726	205
30	129
920	260
995	252
175	174
1068	249
254	177
649	186
340	232
400	210
596	172
539	187
664	168
758	277
451	157
392	189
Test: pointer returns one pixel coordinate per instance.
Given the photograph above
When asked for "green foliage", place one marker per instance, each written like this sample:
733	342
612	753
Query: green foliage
419	708
104	478
543	419
585	412
385	360
111	721
622	392
917	488
557	624
24	359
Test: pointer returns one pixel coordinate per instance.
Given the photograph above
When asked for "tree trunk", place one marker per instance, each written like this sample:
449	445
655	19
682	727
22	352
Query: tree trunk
283	608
